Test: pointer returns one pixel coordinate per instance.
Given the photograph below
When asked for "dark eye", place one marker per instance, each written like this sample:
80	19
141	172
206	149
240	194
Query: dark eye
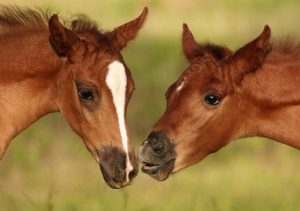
86	94
212	99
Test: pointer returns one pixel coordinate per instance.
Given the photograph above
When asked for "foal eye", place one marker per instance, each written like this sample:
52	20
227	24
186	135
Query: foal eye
212	99
86	94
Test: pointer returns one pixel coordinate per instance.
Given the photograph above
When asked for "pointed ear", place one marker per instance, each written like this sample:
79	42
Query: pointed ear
250	57
61	38
126	32
191	48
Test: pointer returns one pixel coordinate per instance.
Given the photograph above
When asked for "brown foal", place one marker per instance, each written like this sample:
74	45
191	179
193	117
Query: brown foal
223	96
73	68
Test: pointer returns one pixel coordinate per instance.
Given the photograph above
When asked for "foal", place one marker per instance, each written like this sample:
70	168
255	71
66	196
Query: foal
222	96
74	69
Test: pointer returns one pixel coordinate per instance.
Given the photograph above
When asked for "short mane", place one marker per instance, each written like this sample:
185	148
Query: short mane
18	19
286	46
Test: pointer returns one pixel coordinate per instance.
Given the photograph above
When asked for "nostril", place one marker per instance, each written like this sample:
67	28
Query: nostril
156	145
119	176
133	173
119	173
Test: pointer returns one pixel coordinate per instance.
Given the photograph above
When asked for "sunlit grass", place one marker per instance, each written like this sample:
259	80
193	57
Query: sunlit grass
48	168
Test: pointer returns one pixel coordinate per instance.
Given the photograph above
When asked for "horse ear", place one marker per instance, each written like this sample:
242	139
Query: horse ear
61	38
191	48
126	32
250	57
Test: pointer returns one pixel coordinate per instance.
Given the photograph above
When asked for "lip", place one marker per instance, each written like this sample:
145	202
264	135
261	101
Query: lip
114	185
149	167
159	172
111	183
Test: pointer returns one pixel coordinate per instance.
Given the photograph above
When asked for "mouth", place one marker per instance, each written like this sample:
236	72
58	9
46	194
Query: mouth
158	171
115	185
147	167
112	182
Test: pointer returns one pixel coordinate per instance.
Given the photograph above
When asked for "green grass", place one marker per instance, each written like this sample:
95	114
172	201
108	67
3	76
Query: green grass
48	168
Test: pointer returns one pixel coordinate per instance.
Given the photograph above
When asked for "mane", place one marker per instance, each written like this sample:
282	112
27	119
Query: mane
18	19
286	45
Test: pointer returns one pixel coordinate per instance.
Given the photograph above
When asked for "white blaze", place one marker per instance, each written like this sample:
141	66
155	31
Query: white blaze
116	81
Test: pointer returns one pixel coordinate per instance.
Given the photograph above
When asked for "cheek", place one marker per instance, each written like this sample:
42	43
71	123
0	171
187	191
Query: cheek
191	146
91	117
189	135
101	123
188	158
100	127
181	124
69	102
104	116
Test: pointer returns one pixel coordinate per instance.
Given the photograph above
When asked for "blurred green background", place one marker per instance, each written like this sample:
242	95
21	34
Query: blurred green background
48	168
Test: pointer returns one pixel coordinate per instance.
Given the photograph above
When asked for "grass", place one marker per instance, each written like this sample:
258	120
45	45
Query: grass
48	168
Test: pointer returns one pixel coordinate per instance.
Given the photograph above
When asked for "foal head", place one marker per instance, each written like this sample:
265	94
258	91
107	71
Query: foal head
202	105
94	87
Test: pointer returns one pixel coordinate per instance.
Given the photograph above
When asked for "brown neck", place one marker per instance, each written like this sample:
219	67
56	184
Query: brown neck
273	92
282	126
28	72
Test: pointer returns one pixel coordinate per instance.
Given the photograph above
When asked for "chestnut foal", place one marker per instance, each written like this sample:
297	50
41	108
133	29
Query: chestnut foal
76	70
223	96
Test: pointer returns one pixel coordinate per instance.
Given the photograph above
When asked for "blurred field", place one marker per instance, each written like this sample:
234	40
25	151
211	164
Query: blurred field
48	168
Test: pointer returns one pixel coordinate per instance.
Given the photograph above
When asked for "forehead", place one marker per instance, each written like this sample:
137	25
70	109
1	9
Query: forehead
96	61
100	55
98	49
112	69
197	75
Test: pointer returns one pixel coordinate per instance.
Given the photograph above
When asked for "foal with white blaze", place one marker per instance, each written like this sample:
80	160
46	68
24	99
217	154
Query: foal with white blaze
73	68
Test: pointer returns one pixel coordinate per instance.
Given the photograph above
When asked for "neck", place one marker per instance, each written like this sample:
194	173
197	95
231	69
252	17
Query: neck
273	93
282	126
28	73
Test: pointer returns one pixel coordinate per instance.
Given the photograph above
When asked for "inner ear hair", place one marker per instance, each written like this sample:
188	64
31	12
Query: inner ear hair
61	38
250	57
